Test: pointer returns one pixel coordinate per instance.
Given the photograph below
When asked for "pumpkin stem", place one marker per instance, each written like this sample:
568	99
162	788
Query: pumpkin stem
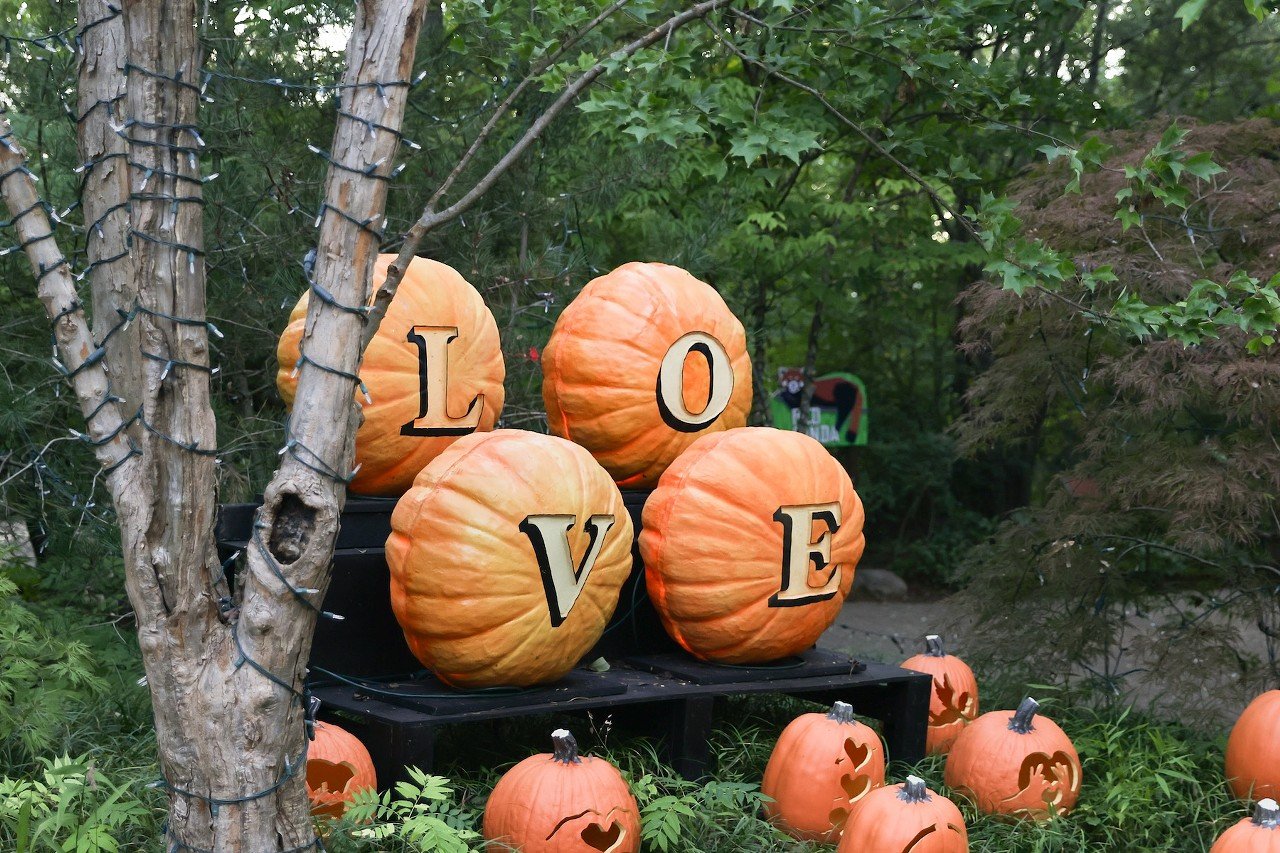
564	748
914	791
933	646
841	712
1020	722
1267	814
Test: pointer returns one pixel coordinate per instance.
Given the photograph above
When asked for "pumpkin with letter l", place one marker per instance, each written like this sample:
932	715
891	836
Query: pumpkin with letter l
562	802
821	766
507	557
338	765
1015	764
954	702
907	818
643	361
433	372
1253	749
1257	834
750	543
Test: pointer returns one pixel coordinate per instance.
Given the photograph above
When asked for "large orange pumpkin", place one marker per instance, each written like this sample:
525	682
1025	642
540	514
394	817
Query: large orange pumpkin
1015	764
644	360
821	766
1257	834
907	818
506	558
750	543
561	802
338	765
433	372
1253	749
954	703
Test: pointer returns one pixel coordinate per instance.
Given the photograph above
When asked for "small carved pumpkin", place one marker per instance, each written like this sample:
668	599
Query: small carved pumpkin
821	766
433	372
1257	834
338	766
561	802
1253	749
506	558
750	543
1015	764
643	361
954	703
907	818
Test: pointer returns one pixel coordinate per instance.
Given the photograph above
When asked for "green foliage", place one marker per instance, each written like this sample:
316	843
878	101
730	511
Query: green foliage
678	815
415	815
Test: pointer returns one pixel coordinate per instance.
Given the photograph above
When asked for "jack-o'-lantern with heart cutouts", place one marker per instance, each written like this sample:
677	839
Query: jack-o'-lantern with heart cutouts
954	703
507	557
640	364
432	373
1015	763
821	766
749	543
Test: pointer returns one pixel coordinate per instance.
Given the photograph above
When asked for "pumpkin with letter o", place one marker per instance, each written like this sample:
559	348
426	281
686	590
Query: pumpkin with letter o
750	543
1253	749
433	372
338	765
907	818
1257	834
562	802
643	361
954	703
507	557
821	766
1015	764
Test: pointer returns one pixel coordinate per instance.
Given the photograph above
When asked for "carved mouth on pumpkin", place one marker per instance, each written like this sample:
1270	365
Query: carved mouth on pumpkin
328	781
605	835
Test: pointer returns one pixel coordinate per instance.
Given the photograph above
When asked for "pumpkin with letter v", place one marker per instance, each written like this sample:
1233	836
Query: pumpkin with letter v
562	802
507	557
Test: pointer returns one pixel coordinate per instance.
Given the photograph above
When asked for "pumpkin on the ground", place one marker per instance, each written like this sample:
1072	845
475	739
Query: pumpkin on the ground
1253	749
1257	834
643	361
507	557
954	703
338	765
562	802
750	543
821	766
433	372
1015	764
907	818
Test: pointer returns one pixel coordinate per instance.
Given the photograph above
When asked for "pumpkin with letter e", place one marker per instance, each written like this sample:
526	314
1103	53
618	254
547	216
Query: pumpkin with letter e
507	557
907	818
821	766
433	372
1253	749
1257	834
643	361
954	702
338	765
1015	763
562	802
750	543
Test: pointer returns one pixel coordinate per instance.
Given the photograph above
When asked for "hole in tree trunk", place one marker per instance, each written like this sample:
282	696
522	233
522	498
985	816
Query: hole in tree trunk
292	528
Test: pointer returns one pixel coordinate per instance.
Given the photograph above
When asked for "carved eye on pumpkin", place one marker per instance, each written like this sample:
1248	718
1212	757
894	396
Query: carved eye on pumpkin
954	703
821	766
561	802
1018	765
338	766
906	818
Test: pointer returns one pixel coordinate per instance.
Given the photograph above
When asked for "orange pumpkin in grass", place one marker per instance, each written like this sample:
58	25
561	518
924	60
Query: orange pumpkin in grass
1257	834
507	557
433	372
338	765
907	818
1015	764
954	703
562	802
822	765
1253	749
750	543
641	363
